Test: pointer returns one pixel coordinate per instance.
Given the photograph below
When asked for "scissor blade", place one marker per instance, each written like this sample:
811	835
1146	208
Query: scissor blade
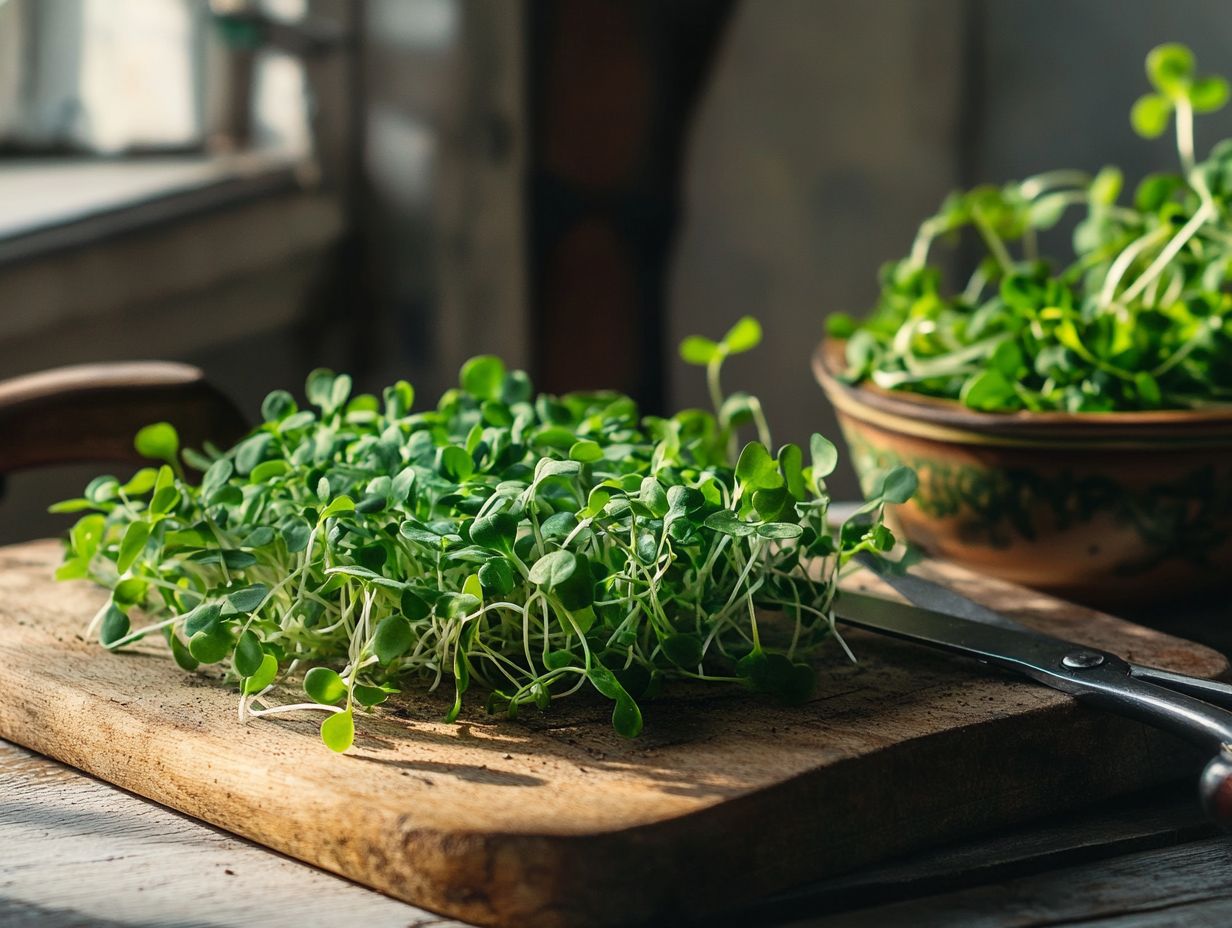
1038	656
934	596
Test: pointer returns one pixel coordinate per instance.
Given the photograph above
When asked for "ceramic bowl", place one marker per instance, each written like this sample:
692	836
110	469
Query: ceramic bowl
1111	509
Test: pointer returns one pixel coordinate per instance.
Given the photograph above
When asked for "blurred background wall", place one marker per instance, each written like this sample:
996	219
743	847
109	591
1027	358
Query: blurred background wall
391	186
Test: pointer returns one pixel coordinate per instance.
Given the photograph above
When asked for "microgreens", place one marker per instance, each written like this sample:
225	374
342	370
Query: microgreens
1140	319
533	545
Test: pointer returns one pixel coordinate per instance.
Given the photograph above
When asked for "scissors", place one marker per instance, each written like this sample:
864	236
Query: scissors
936	616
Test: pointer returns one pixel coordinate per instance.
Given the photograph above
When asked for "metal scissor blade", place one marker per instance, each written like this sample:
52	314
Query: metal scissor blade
1038	656
930	595
1089	673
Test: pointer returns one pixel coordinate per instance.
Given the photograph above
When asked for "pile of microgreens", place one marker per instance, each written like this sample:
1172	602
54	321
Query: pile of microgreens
1139	319
534	544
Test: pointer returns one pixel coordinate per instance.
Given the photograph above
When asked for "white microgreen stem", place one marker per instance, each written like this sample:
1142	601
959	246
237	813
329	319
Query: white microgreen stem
1169	251
1184	132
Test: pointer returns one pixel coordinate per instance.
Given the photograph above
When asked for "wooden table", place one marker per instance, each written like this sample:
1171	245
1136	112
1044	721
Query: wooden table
77	851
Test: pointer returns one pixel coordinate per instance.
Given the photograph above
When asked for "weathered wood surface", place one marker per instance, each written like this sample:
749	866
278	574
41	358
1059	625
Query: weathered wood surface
1159	818
76	851
1183	885
557	821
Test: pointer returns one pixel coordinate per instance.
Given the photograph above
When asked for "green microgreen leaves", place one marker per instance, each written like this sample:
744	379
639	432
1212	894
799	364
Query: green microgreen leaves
1140	318
524	545
338	731
324	685
158	441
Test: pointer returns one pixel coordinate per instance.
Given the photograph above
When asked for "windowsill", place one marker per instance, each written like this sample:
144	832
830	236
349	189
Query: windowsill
151	246
56	204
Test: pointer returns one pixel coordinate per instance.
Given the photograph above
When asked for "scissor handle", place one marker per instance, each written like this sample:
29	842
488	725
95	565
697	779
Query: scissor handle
1216	692
1215	788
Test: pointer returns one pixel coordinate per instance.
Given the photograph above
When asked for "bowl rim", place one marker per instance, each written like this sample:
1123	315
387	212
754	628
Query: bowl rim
949	420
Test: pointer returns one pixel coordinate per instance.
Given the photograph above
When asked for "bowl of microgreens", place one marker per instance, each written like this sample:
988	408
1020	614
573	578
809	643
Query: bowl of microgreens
1069	415
513	547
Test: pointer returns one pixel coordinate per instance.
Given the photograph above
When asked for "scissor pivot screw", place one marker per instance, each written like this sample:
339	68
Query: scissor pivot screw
1082	660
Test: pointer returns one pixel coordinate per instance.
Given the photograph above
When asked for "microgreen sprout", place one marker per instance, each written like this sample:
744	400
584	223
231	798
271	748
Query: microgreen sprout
531	546
1141	318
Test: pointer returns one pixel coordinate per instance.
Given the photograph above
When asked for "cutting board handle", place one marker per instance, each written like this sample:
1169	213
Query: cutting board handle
90	412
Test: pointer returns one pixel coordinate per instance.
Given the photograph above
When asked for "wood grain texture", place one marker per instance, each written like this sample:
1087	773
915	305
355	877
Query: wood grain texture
1159	818
557	821
1185	885
76	851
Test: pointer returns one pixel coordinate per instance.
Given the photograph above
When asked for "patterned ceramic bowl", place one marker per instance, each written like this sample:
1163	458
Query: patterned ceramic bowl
1112	509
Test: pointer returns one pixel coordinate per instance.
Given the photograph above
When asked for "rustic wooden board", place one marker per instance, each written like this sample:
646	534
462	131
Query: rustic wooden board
558	821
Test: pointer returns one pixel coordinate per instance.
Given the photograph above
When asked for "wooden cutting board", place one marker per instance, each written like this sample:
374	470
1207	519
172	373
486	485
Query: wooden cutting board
555	820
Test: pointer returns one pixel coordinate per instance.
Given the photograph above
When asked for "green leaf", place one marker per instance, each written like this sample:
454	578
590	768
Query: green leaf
824	455
548	467
203	616
267	470
319	388
1047	211
683	650
989	391
324	686
791	465
251	452
756	469
456	462
472	586
496	530
729	523
141	482
555	660
1170	67
102	489
898	485
626	717
72	505
496	577
263	676
1208	94
1154	190
392	639
249	598
131	545
166	496
586	452
75	568
295	535
277	406
159	441
338	731
781	531
553	569
369	696
483	377
86	536
399	399
698	350
248	654
744	336
210	645
337	507
1106	186
114	626
130	592
181	655
1150	114
1148	389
